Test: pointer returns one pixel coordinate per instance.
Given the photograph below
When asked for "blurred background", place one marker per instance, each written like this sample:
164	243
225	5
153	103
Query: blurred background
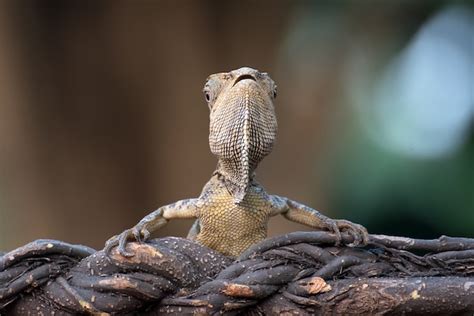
102	117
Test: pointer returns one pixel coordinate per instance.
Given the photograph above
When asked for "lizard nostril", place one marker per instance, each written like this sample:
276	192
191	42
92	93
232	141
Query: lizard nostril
243	77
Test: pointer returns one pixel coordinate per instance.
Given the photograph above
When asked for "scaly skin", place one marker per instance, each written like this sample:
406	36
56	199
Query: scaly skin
233	210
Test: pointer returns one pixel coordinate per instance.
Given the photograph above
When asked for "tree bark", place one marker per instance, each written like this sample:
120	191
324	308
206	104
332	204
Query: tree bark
301	273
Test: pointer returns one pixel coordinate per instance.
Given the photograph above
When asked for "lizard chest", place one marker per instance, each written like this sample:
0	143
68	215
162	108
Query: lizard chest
221	213
230	228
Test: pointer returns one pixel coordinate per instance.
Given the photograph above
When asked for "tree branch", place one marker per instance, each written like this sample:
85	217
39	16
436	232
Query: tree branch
299	272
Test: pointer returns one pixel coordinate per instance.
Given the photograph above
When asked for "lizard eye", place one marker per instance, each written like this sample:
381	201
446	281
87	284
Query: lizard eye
274	92
208	96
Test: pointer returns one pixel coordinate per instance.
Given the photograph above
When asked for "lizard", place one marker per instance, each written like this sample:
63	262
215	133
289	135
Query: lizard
233	209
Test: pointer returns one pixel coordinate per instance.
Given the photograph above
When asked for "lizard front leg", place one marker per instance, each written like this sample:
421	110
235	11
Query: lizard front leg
153	221
303	214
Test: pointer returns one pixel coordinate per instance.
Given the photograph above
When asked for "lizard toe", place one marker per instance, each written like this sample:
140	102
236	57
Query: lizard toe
110	243
333	227
358	232
122	244
137	234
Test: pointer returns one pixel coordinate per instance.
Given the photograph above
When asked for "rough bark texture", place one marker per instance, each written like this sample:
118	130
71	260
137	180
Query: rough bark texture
299	273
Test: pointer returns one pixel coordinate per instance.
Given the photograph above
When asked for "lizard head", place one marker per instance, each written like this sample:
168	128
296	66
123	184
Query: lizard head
243	124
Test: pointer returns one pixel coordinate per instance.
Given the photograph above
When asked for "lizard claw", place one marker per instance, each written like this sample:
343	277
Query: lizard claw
136	234
145	233
110	243
359	232
140	234
332	226
121	241
122	245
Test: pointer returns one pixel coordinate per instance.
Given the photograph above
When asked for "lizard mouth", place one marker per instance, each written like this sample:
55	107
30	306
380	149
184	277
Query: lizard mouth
243	77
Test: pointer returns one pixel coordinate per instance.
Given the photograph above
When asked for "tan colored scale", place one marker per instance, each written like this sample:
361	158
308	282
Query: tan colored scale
233	209
231	228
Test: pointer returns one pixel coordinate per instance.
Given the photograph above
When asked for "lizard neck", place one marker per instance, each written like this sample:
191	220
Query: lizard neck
235	179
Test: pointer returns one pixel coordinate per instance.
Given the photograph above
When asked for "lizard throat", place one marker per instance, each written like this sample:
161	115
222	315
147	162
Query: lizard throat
245	166
231	181
242	132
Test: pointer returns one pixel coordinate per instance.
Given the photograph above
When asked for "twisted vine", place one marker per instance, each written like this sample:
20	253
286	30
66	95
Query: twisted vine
300	272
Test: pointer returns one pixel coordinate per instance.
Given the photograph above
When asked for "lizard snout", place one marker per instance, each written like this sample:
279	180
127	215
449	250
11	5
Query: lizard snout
243	77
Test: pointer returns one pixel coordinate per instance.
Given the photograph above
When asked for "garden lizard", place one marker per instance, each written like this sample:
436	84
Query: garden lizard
233	210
